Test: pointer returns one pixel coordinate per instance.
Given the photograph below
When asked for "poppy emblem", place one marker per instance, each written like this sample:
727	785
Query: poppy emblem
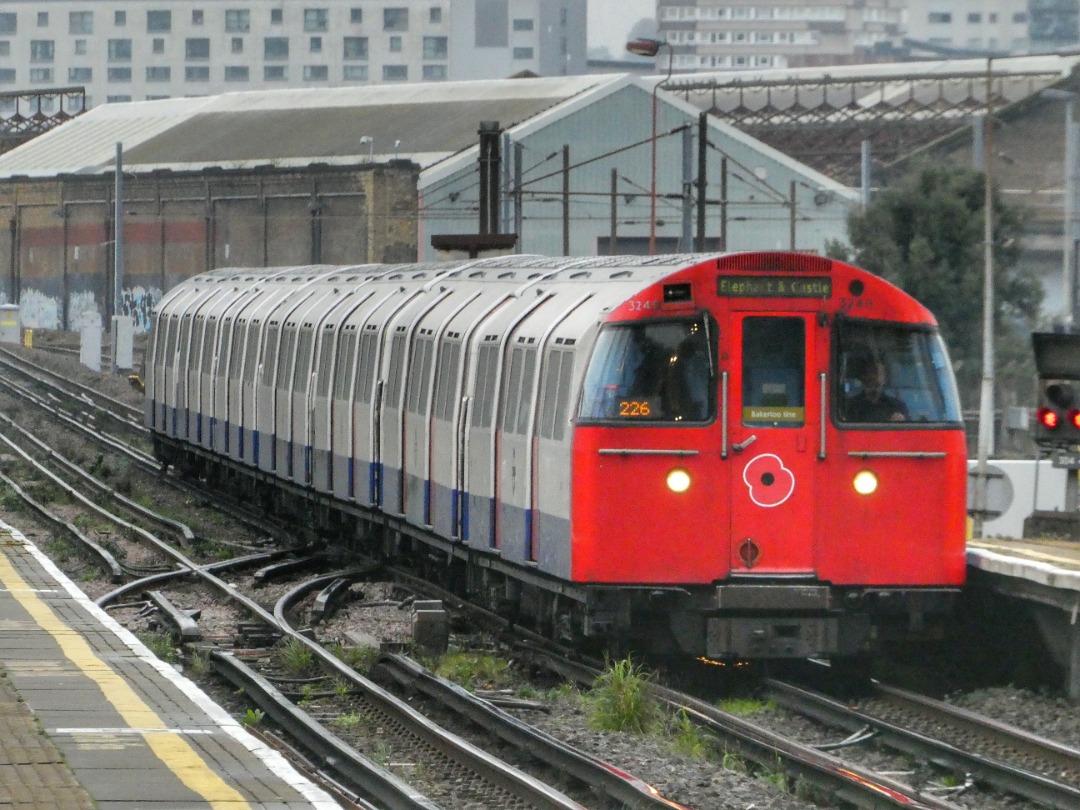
769	481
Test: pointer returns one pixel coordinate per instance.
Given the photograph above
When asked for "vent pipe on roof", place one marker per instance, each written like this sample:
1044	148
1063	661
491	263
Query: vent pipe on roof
490	162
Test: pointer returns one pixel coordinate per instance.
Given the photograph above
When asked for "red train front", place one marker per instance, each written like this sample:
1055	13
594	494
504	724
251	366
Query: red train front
769	450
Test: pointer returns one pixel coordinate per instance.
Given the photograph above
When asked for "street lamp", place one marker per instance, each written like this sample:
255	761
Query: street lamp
1071	183
371	147
986	389
651	47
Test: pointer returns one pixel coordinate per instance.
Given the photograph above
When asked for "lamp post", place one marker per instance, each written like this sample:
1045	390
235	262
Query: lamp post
986	390
651	47
1069	203
371	147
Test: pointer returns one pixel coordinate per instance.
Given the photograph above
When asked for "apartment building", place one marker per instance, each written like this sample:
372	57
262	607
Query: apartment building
741	34
134	50
972	26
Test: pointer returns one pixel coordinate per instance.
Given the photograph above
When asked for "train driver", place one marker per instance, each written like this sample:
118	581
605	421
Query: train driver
871	403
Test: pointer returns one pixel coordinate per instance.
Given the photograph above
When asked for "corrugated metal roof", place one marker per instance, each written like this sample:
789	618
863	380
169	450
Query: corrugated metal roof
427	122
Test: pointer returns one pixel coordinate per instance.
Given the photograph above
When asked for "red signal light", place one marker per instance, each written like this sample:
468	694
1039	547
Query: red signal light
1074	417
1049	419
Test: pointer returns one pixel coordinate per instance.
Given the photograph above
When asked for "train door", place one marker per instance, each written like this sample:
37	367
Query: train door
774	419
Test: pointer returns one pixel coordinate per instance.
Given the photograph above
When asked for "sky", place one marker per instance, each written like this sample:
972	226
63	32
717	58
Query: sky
610	21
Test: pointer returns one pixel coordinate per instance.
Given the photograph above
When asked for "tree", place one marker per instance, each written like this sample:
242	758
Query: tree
925	235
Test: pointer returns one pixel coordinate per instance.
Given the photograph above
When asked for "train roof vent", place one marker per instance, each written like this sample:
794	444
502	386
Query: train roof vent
571	341
621	274
395	276
508	274
581	274
477	274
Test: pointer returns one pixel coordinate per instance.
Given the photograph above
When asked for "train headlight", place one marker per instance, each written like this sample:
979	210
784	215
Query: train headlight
678	480
865	482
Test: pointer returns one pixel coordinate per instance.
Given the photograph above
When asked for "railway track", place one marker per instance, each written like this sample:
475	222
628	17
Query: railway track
1042	775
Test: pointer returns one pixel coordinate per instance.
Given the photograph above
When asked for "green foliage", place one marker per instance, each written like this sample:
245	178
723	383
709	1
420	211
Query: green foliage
361	659
925	235
160	644
744	707
686	738
9	501
620	700
473	670
294	656
252	717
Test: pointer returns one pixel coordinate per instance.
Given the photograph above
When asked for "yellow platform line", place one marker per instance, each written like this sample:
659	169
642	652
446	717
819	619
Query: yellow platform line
171	749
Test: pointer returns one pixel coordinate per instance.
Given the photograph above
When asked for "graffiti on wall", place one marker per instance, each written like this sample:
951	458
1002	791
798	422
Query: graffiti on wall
138	302
40	311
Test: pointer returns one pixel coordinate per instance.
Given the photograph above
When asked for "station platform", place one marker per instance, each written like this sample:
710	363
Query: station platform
1045	575
90	718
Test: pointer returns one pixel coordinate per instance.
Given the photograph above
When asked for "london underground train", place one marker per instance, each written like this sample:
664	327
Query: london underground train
755	455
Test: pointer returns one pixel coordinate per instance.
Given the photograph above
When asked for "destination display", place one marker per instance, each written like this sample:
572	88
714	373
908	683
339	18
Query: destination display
773	287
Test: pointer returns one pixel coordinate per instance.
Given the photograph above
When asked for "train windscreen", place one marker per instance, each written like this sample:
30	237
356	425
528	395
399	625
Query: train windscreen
650	372
891	373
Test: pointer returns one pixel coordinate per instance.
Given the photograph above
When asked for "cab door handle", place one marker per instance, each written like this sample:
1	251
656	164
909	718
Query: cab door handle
738	447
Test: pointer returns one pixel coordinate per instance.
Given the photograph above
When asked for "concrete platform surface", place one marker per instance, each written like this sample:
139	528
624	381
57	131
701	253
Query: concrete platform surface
90	718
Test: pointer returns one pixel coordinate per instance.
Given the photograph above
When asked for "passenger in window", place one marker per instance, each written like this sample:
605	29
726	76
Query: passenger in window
872	404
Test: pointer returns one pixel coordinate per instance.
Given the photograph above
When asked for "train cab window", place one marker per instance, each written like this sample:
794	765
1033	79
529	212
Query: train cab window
656	371
774	371
890	374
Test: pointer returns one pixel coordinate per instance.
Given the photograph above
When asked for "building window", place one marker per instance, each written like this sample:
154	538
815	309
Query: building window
196	48
356	48
237	20
992	17
7	76
158	74
435	15
119	50
42	50
356	16
119	18
276	48
395	73
940	17
158	22
315	46
974	17
523	25
523	53
434	72
356	73
275	73
237	45
435	47
1020	17
275	16
158	45
9	23
117	99
80	75
157	98
41	75
80	47
395	44
43	19
316	73
236	73
395	19
197	73
81	22
316	19
119	75
5	47
196	16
